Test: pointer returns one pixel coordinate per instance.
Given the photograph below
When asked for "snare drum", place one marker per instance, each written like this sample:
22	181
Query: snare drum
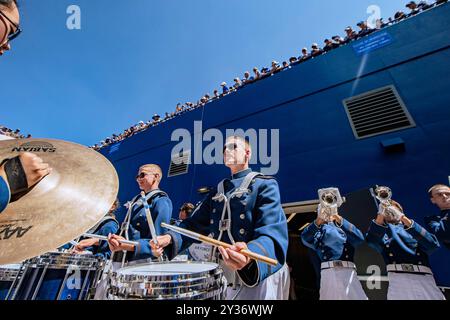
8	274
58	276
177	280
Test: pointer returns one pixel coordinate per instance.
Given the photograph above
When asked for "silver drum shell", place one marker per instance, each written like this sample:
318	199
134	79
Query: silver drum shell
183	286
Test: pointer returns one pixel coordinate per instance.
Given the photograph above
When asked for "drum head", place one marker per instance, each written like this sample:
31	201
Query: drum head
168	268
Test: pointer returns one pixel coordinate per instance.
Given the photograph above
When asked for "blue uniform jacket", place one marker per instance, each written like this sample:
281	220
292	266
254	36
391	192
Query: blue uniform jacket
109	226
332	241
416	238
440	226
161	211
257	219
5	194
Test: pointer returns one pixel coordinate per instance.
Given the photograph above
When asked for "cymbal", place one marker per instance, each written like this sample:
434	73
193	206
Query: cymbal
77	194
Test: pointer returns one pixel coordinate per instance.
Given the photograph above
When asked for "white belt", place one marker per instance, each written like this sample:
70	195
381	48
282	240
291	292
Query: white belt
409	268
337	264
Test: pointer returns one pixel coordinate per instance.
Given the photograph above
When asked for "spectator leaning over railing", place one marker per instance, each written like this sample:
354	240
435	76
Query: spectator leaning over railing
329	45
257	73
315	50
305	55
225	89
364	29
399	16
351	34
275	67
293	60
338	40
237	83
248	78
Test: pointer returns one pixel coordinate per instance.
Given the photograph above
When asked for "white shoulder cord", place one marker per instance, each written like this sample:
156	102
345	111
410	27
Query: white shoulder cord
225	224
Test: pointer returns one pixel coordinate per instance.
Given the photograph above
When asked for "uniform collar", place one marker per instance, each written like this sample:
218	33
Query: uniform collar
241	174
146	193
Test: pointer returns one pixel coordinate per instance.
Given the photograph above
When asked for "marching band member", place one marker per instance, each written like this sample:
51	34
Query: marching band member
160	205
439	225
405	247
334	239
18	175
107	225
245	211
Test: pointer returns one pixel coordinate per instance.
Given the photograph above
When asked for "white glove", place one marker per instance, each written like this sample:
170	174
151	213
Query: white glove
393	214
323	214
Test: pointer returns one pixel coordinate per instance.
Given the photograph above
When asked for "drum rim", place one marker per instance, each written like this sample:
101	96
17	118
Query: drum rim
62	260
130	277
169	262
198	295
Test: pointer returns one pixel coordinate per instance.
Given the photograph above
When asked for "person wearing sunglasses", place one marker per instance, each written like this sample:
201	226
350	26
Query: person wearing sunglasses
160	205
245	210
9	24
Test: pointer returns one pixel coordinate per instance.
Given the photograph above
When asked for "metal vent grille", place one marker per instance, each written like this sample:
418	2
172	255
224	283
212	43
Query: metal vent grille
179	164
377	112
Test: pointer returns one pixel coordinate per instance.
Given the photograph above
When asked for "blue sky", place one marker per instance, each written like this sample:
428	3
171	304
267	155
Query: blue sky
132	59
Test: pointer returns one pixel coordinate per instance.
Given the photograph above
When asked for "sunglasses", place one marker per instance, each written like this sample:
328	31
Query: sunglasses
14	34
143	174
230	147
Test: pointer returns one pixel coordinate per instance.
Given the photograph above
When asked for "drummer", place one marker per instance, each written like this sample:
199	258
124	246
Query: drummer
148	179
255	221
18	175
108	225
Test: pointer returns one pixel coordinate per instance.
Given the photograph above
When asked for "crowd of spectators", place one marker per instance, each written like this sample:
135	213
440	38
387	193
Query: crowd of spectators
258	74
16	134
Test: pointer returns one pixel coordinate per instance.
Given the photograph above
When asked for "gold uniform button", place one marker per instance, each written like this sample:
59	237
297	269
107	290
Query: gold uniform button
212	221
242	216
138	224
242	231
391	255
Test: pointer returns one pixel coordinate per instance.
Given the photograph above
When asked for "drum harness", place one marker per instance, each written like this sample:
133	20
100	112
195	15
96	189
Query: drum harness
225	220
127	221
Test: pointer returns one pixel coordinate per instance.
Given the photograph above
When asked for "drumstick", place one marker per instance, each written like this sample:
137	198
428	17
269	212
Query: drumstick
96	236
217	243
151	226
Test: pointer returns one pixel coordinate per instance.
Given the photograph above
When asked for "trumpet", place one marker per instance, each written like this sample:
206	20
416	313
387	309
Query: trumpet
383	195
330	199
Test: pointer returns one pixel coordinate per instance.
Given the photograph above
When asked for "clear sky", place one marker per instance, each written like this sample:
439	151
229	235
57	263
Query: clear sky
134	58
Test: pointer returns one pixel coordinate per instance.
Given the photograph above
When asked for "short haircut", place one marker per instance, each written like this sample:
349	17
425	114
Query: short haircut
440	185
188	208
8	3
247	143
152	167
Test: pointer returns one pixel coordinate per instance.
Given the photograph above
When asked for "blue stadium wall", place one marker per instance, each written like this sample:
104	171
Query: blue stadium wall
317	144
